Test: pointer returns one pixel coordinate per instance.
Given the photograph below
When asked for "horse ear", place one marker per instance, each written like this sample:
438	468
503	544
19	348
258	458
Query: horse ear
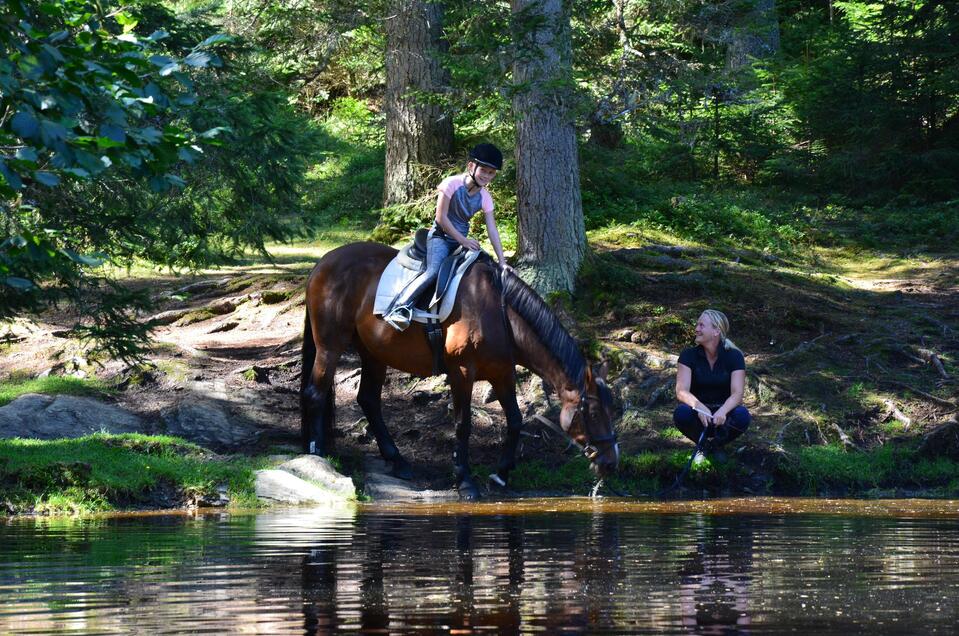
601	370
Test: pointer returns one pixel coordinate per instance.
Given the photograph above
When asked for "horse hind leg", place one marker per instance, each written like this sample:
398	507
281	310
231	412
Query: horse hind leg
370	399
317	404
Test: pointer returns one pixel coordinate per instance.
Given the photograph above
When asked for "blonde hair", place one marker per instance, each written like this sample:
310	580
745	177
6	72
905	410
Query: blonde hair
721	322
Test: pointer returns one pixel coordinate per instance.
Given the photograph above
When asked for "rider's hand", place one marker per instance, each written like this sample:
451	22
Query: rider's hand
471	244
506	268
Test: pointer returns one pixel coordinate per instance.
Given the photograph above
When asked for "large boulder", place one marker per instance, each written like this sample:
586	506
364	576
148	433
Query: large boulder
319	471
279	486
56	416
208	424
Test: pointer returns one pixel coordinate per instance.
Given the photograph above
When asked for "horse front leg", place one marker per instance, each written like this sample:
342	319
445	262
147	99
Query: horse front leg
370	399
462	393
506	394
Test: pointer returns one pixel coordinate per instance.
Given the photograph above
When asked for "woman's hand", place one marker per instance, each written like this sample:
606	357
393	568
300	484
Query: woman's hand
719	418
506	268
705	419
471	244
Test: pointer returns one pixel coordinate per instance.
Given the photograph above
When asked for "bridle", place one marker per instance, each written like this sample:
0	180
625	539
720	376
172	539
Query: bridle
590	449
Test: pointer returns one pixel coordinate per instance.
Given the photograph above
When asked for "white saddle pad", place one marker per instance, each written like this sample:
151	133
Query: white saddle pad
395	277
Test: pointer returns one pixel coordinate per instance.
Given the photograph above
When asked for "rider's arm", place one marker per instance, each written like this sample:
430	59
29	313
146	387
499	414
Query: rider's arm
443	221
493	233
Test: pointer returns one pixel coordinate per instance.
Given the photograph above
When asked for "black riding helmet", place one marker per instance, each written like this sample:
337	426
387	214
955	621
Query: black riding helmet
487	155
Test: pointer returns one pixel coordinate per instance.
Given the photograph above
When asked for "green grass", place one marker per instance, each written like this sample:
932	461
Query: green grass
827	469
103	472
13	388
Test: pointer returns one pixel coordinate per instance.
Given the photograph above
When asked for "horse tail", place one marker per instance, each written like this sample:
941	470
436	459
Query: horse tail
306	373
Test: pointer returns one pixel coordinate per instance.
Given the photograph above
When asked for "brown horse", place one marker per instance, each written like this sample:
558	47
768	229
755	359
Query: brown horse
481	344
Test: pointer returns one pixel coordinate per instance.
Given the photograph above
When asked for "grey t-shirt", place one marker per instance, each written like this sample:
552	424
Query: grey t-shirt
462	205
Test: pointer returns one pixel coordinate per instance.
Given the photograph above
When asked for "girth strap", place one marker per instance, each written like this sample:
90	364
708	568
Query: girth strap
434	336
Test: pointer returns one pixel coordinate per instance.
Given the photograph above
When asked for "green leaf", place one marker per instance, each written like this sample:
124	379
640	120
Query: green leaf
27	154
80	259
197	59
175	181
215	39
11	177
25	125
20	284
213	132
46	178
113	132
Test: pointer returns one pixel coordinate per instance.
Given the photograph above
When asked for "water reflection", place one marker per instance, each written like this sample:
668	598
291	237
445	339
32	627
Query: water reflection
587	569
714	584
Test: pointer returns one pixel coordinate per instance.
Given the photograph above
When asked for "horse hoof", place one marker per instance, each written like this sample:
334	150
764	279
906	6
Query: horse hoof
468	491
402	469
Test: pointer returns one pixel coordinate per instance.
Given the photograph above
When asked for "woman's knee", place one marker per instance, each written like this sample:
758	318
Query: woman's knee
684	414
740	418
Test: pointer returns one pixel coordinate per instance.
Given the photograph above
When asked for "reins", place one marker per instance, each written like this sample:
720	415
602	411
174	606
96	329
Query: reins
679	479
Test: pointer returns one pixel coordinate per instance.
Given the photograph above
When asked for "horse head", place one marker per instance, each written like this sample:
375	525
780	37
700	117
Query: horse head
588	420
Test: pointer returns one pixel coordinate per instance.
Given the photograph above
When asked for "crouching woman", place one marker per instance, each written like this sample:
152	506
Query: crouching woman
710	379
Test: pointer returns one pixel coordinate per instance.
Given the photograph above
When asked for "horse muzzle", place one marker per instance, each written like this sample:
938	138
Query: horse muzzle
603	459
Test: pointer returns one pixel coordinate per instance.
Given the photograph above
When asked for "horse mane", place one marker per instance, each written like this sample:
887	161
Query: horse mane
544	323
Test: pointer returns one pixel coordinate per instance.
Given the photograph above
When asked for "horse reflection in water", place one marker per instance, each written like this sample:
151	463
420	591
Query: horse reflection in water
513	574
496	324
465	573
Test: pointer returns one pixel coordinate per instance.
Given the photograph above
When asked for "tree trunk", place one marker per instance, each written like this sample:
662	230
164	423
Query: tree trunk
550	228
754	36
417	132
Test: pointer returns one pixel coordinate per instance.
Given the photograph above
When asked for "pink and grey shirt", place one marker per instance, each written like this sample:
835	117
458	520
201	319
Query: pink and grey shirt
462	205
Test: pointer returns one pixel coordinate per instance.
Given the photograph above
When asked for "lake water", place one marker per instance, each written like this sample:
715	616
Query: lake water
759	566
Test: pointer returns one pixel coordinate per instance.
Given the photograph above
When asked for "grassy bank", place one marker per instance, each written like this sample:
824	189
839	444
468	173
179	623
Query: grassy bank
888	471
100	473
12	388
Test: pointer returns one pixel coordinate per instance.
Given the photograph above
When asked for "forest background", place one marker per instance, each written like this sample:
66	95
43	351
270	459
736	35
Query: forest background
782	160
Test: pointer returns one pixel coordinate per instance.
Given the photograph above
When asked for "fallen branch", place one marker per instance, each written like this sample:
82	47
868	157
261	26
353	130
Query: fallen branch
843	437
896	413
930	357
802	348
928	396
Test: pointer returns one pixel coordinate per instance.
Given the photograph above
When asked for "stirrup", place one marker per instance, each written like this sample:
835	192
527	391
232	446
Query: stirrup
400	317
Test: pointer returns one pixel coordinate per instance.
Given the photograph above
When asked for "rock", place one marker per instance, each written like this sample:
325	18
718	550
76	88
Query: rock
279	486
622	335
209	425
380	486
55	416
319	471
638	337
168	317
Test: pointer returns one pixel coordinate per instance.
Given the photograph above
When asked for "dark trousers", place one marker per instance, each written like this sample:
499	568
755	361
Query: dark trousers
687	421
